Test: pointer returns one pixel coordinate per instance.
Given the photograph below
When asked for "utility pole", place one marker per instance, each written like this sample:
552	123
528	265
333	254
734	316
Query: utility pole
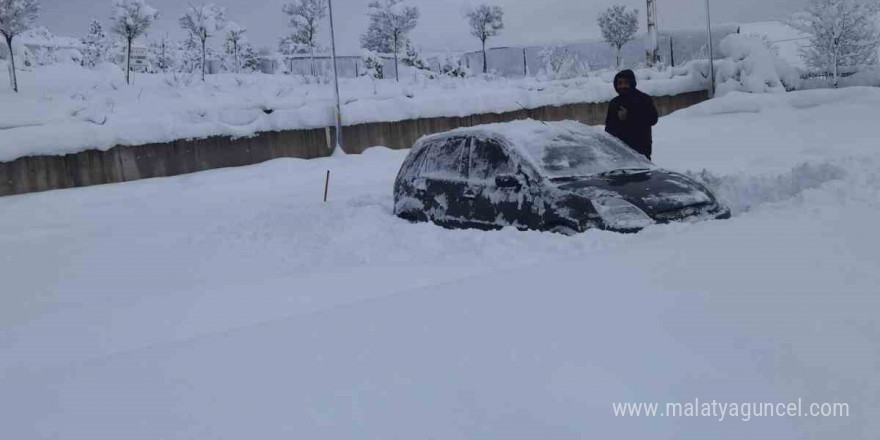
711	53
338	150
652	55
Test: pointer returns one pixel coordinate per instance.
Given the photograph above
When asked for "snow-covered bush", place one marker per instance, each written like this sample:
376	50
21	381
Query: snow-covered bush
163	55
454	68
749	66
412	57
559	63
67	56
374	65
96	47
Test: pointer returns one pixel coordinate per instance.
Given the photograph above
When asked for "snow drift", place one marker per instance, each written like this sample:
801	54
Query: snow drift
236	304
751	67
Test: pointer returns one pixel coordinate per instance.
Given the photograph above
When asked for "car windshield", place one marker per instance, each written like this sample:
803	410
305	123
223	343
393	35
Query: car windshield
572	154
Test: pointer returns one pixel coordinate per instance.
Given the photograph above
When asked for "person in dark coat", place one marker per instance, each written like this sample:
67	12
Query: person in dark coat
631	114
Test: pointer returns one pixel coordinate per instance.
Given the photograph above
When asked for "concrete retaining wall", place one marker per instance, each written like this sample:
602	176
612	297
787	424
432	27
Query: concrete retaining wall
128	163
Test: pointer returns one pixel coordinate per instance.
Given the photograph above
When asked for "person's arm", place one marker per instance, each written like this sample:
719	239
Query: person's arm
647	112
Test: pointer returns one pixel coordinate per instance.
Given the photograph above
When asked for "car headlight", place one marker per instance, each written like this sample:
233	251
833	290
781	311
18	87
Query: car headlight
622	215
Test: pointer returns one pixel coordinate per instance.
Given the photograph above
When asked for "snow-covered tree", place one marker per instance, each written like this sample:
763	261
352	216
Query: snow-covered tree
843	34
452	67
304	17
485	21
413	58
374	65
95	45
163	54
131	19
16	16
190	55
203	22
234	39
391	21
618	26
249	59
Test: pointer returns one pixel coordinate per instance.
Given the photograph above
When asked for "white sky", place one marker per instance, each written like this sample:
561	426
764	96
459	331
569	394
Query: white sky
441	26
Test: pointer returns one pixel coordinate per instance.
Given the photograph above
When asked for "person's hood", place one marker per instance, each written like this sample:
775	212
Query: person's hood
629	75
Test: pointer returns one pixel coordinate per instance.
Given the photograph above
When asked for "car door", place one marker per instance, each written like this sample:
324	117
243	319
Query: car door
508	204
443	179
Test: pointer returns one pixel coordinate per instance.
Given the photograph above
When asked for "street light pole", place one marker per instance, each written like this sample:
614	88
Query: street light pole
711	53
338	117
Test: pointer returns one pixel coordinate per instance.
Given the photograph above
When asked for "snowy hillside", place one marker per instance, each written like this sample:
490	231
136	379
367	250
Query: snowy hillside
235	304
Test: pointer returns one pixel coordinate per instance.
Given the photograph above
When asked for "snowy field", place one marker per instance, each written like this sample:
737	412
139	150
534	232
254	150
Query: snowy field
64	108
234	304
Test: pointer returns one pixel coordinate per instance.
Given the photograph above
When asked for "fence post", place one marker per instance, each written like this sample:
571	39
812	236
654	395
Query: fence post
525	64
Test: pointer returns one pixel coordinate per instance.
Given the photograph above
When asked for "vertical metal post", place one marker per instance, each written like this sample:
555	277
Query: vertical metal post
338	149
653	50
711	52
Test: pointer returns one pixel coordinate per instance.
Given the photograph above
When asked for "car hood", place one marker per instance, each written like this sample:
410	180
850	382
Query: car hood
653	191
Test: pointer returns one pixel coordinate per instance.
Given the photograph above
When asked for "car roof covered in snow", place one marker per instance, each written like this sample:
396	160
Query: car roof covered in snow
533	140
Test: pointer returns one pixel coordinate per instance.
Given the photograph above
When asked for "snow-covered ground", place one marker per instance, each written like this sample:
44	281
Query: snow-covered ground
234	304
64	108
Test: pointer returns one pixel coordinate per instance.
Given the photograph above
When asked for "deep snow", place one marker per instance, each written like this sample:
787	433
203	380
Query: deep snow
235	304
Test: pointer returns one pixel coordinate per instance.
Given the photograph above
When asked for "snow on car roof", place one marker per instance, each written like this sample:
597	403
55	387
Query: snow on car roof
540	142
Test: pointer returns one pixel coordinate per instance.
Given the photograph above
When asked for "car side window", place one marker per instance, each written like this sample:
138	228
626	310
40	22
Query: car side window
418	162
488	160
447	159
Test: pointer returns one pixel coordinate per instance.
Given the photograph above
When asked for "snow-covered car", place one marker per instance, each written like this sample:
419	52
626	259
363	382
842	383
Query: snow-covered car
564	177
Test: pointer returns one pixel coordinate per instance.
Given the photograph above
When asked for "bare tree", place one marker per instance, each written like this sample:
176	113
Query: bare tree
485	21
618	26
131	19
203	22
234	38
304	17
16	16
390	24
842	33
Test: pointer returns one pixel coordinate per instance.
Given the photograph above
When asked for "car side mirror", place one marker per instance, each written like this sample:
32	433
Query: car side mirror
507	181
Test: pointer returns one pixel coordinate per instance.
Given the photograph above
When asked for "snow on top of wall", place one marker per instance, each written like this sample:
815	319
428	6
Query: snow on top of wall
749	66
67	109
